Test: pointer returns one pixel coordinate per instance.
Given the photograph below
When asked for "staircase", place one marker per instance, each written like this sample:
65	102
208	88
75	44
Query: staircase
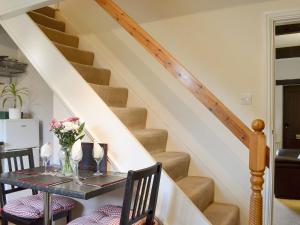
199	189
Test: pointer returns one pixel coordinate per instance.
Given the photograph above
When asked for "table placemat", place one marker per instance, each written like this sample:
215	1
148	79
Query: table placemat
103	180
31	171
45	180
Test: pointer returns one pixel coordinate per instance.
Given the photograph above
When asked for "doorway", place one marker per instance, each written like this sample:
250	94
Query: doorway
291	118
284	99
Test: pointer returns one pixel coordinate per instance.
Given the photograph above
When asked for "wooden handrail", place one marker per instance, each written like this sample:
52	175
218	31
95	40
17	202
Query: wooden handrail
253	140
232	122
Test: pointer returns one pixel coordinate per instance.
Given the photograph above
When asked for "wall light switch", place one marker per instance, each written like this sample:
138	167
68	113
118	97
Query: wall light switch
246	99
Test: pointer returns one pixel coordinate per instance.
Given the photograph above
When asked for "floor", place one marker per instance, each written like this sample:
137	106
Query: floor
286	212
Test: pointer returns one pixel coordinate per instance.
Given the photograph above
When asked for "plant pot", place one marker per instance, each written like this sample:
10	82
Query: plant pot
14	113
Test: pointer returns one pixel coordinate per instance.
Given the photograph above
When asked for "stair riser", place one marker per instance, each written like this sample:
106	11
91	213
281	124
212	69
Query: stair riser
178	171
222	214
47	11
114	97
60	37
202	203
47	21
132	118
93	75
175	164
155	144
76	55
199	189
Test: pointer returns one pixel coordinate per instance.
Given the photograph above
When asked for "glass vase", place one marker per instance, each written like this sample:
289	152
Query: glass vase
65	160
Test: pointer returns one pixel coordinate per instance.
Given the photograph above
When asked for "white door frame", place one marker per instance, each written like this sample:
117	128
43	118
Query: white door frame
271	20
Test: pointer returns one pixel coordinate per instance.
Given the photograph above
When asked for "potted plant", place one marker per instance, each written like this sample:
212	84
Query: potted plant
12	92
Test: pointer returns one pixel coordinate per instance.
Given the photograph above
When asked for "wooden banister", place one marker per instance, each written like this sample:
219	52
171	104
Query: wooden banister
255	140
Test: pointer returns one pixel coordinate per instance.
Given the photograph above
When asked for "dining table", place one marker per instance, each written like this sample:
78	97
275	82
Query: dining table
52	182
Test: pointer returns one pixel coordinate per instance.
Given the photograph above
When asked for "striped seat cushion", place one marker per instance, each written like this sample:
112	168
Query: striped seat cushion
32	207
106	215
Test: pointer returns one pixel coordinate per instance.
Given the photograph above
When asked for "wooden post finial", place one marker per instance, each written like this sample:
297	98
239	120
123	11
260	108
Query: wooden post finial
258	125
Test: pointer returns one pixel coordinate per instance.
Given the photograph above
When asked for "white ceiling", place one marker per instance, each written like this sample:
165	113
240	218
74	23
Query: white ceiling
152	10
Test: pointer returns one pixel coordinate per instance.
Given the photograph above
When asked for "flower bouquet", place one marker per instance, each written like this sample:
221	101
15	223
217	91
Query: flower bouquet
67	131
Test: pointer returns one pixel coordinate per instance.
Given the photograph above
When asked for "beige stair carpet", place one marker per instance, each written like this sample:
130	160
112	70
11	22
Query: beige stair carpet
47	21
60	37
133	118
154	140
76	55
199	189
92	74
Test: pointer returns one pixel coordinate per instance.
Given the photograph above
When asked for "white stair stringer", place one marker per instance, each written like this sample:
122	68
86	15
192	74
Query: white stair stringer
174	208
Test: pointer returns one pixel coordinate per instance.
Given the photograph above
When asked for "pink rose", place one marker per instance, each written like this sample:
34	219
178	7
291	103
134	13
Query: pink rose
55	124
52	122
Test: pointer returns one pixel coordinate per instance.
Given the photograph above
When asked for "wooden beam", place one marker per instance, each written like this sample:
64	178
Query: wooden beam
207	98
288	52
287	29
288	82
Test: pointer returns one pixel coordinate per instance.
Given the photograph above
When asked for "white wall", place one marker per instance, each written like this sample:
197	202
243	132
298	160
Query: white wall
15	7
7	46
288	68
287	40
39	103
223	48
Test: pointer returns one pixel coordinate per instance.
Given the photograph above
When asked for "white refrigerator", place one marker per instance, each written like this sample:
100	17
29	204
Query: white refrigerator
20	134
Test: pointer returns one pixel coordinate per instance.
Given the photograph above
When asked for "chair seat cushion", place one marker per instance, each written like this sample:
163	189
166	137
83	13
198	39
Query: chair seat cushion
106	215
32	207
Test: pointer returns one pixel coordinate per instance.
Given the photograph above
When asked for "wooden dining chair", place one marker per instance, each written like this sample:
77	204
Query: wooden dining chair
141	193
27	210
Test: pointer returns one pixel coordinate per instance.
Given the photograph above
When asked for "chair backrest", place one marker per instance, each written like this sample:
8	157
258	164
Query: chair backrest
88	162
144	200
15	160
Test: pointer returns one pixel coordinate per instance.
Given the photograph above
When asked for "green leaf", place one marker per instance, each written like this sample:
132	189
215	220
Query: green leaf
4	101
20	100
81	128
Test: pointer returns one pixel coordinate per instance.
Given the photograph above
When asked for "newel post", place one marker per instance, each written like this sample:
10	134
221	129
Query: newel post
257	165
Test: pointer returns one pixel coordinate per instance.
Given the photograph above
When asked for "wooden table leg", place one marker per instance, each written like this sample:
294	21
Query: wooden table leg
47	209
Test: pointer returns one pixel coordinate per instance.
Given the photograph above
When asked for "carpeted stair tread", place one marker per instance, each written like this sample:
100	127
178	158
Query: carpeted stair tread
112	96
222	214
199	189
176	164
92	74
47	11
47	21
60	37
133	118
76	55
154	140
